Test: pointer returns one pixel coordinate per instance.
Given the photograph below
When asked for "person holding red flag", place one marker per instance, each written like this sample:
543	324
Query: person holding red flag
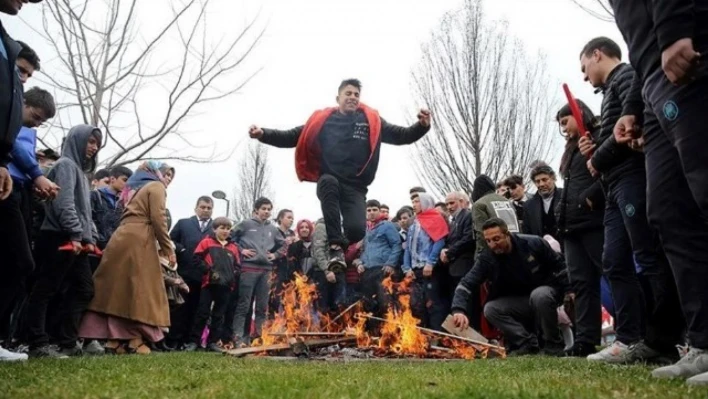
338	148
425	241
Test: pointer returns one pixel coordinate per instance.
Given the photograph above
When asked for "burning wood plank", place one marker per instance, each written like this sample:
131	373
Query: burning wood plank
298	346
240	352
439	333
310	334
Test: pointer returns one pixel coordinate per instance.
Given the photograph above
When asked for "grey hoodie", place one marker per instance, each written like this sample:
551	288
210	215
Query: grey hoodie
70	211
262	237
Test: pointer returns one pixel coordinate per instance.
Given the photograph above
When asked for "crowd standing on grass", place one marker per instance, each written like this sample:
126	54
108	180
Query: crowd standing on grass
92	264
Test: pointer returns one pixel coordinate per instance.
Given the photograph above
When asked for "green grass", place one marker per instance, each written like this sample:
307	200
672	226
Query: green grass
202	375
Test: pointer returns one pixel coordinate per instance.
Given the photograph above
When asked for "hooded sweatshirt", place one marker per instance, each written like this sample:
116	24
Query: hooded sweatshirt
70	212
487	205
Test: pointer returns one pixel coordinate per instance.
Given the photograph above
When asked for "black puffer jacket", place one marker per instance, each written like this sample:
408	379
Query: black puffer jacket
572	212
611	159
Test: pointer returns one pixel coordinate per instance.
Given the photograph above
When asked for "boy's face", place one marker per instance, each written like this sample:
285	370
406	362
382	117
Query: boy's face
222	232
372	213
263	213
91	147
118	184
384	213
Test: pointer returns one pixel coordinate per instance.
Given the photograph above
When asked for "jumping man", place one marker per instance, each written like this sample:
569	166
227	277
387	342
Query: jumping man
338	148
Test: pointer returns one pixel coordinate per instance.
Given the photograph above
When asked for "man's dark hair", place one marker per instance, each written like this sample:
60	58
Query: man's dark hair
349	82
222	221
373	204
384	206
101	174
49	154
405	210
281	214
260	202
205	198
604	44
496	222
27	53
513	181
542	170
417	190
441	204
120	171
41	99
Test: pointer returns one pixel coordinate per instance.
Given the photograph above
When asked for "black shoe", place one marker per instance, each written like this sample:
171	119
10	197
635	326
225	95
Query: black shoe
525	350
553	350
190	347
213	347
46	351
336	262
72	351
580	349
162	346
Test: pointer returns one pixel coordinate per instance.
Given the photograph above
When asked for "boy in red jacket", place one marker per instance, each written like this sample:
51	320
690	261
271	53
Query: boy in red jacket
220	262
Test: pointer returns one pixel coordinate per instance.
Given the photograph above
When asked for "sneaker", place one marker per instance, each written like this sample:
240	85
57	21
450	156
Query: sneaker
214	347
7	356
617	353
190	347
73	351
336	262
696	380
46	351
580	349
694	363
94	348
525	350
641	352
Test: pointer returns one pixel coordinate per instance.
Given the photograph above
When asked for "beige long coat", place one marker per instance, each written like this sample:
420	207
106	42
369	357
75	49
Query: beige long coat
128	282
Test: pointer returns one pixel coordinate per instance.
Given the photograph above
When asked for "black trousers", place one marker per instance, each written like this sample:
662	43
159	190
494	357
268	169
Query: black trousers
345	205
58	269
675	124
17	262
427	302
182	317
376	299
583	255
219	296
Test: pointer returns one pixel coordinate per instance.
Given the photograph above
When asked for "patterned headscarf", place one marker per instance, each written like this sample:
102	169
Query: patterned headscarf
148	172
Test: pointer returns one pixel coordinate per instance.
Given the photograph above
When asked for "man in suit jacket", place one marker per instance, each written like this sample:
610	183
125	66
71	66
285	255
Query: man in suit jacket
539	216
186	235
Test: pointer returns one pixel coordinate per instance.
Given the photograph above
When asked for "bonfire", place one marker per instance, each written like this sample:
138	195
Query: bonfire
299	328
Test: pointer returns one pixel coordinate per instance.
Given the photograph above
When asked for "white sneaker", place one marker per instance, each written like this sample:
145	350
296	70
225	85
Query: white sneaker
694	363
616	353
7	356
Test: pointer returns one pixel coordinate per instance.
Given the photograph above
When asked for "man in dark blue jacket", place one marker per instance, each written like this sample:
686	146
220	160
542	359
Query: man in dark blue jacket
627	230
527	280
186	235
666	40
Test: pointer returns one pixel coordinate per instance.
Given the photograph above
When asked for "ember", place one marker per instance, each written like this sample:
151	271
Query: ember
302	330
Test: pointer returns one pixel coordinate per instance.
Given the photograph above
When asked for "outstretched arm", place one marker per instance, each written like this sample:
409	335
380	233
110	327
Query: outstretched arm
276	138
398	135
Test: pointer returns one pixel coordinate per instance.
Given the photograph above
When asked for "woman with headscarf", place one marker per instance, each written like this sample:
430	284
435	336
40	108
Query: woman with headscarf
425	241
130	306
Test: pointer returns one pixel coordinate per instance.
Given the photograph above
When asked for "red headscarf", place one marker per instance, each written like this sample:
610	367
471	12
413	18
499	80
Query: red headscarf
309	225
430	219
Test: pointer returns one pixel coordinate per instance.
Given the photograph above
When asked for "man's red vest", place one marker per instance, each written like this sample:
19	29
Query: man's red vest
308	152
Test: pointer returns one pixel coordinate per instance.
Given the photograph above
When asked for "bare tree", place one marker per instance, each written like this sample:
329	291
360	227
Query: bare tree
600	9
492	103
253	181
140	90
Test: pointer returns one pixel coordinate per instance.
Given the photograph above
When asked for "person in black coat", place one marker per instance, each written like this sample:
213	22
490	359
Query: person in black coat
539	211
628	235
458	255
527	280
580	216
186	235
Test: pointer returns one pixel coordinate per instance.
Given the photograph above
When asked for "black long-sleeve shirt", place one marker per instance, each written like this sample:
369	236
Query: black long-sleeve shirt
11	93
650	27
345	147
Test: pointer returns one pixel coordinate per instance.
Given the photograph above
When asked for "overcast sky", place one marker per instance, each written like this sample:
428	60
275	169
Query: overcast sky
311	45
